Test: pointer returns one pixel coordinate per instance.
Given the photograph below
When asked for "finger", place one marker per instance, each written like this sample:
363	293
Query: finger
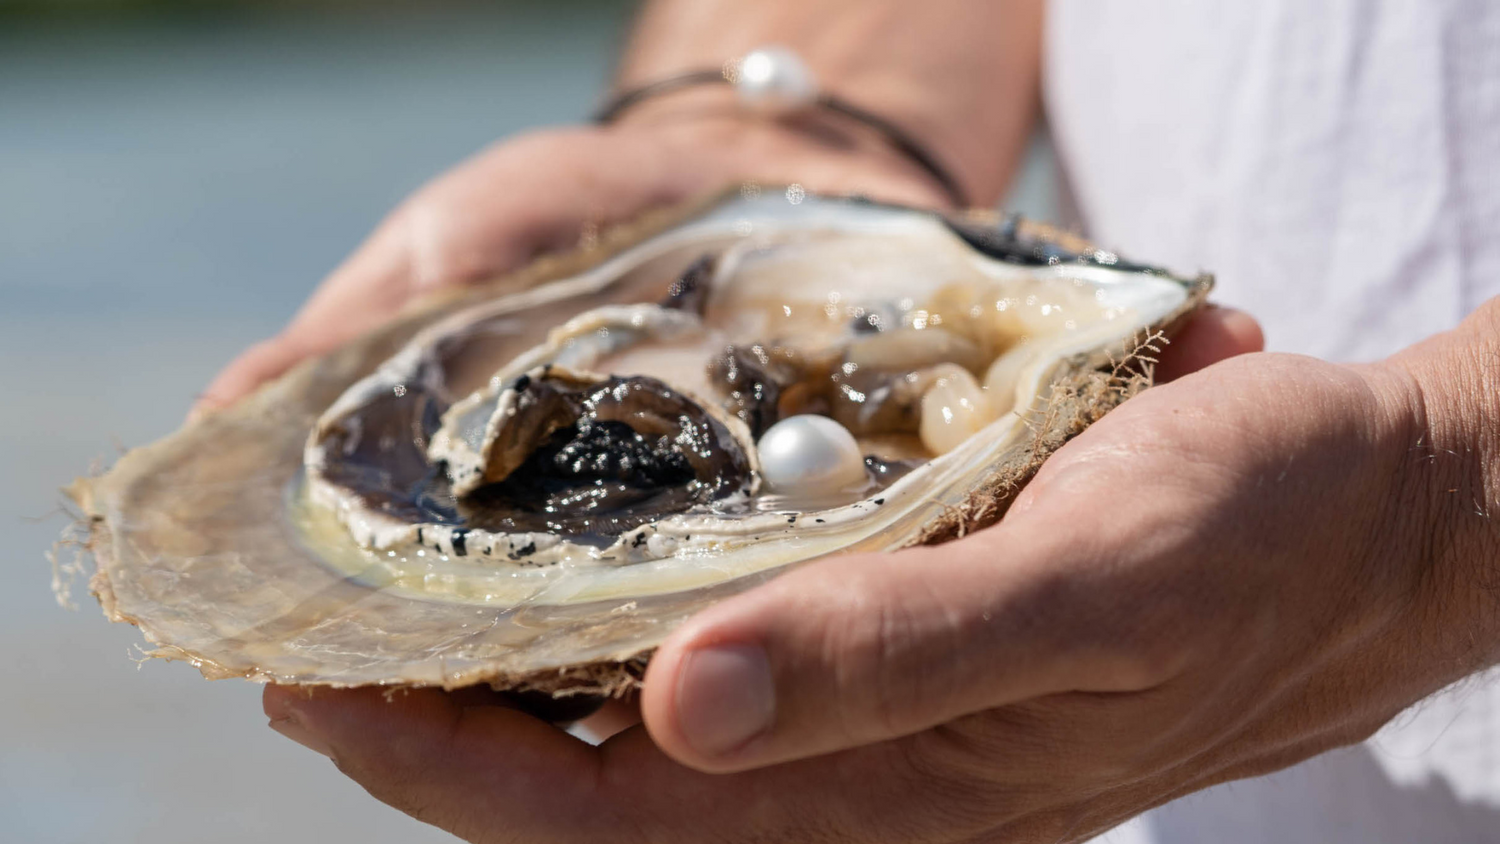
255	366
872	794
495	775
1214	334
457	230
485	773
858	649
368	288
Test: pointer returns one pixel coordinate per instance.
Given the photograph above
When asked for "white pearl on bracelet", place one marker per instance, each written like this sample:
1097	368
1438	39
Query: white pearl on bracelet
774	80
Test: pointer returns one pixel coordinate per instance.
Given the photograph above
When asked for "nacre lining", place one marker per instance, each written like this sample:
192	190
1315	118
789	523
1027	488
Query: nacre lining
1062	309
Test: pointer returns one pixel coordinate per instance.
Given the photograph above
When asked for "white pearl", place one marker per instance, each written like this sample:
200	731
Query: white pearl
774	80
810	455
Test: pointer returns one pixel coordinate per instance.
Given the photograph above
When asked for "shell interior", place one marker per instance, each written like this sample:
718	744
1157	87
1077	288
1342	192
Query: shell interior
520	483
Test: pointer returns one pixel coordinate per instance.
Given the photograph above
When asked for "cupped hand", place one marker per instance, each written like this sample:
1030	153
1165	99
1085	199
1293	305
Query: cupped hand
1207	584
1219	579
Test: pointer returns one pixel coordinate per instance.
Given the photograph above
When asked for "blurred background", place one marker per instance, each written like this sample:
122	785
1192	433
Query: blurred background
174	178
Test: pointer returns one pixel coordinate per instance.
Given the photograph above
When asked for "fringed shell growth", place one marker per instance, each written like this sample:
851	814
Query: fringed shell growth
532	483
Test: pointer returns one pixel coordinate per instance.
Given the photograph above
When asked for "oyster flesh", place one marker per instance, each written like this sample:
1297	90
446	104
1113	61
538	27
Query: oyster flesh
530	484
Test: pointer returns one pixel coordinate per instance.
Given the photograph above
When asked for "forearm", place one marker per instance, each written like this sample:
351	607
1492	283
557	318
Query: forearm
959	75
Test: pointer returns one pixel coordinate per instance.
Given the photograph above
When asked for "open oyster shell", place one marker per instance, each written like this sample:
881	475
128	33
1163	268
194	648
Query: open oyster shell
531	484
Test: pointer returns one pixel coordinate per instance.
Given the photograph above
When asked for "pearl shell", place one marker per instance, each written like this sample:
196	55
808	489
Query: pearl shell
319	587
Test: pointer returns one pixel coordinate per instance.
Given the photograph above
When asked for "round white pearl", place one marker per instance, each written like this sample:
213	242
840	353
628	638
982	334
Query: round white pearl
810	455
774	80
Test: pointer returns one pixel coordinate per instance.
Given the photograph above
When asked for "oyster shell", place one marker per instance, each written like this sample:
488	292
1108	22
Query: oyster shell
531	484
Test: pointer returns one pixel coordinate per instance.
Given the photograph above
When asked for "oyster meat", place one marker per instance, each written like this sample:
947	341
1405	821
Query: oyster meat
530	484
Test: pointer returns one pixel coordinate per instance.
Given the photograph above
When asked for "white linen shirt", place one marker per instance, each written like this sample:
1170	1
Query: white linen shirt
1337	164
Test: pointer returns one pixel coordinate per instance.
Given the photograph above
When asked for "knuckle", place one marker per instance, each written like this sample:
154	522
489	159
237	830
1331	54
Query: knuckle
875	645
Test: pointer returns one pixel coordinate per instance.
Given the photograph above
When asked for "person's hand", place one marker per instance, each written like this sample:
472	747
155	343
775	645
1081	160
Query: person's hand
1217	580
541	192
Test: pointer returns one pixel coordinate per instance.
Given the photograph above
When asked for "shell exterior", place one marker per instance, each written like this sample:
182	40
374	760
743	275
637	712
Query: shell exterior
225	552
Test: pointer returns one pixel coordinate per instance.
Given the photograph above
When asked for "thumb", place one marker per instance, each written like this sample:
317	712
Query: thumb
859	649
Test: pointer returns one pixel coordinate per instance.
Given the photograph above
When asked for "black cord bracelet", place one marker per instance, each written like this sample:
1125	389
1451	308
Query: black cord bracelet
774	81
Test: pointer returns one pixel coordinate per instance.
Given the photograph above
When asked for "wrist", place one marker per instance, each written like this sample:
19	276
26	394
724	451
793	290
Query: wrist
972	103
707	130
1448	485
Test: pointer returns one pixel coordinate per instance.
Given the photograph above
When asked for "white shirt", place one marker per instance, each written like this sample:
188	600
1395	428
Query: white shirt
1337	164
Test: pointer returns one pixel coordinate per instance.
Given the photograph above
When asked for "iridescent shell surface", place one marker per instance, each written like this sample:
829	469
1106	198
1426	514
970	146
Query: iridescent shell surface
258	542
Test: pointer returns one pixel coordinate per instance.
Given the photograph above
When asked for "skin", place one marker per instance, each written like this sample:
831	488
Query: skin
974	104
1264	559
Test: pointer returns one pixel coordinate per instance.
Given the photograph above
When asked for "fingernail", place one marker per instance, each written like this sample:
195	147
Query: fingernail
725	698
293	730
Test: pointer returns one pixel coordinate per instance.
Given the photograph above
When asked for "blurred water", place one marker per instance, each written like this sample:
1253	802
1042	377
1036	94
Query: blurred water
169	194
